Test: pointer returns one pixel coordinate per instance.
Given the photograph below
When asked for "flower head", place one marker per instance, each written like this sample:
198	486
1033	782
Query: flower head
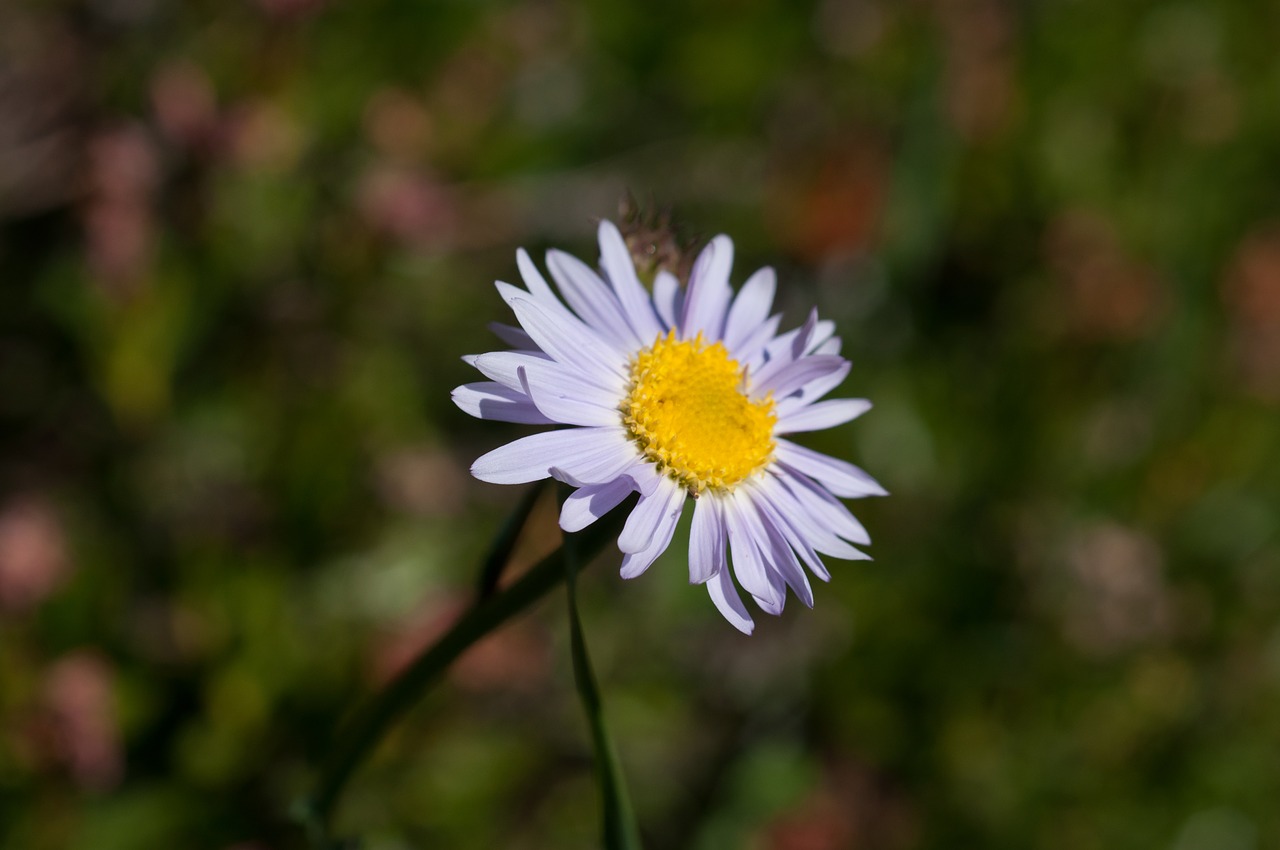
678	394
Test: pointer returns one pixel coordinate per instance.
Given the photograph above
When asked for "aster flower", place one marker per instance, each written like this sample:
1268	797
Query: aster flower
678	394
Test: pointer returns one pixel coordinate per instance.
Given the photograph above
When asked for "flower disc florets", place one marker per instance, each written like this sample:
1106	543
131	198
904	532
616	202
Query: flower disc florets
689	411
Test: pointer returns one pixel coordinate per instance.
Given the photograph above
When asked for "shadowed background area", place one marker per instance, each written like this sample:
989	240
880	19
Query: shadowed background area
243	245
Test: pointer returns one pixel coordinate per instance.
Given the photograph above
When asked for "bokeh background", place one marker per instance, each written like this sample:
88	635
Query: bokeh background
243	245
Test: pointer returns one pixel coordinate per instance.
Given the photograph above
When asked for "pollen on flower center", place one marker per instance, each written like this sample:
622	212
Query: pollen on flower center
688	410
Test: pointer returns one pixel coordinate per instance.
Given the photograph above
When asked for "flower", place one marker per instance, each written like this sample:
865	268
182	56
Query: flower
677	394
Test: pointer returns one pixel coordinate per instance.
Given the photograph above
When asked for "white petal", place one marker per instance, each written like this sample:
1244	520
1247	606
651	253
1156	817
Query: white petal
707	298
591	298
565	408
490	400
725	597
823	414
651	515
667	297
706	541
531	458
750	308
794	375
569	342
621	271
841	478
587	504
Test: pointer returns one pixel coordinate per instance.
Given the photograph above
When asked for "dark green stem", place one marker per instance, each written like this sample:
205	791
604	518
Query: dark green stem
372	721
618	823
503	545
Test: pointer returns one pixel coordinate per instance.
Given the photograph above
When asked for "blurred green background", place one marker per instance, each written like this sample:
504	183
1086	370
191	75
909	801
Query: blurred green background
243	245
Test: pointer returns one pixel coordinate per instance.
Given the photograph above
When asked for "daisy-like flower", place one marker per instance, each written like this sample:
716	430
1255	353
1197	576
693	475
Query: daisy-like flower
678	394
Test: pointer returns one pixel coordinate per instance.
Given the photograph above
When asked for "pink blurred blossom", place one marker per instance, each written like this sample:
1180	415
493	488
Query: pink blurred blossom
852	808
262	136
408	206
1106	292
117	216
1251	292
79	719
33	554
185	106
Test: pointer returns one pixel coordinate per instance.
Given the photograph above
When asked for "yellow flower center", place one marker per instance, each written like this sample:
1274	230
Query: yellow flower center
689	412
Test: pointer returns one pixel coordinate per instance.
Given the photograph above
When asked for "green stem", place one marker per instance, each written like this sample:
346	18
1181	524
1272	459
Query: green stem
503	545
372	720
618	823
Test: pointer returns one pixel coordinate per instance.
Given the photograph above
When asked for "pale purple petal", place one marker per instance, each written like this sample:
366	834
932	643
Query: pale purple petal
814	390
817	502
587	504
513	336
591	298
821	415
794	375
646	476
565	408
667	298
750	308
813	524
750	352
570	343
779	561
748	567
706	541
783	346
490	400
637	307
707	298
831	346
651	515
776	601
531	458
787	522
608	457
801	342
725	597
635	563
533	279
779	555
546	375
841	478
